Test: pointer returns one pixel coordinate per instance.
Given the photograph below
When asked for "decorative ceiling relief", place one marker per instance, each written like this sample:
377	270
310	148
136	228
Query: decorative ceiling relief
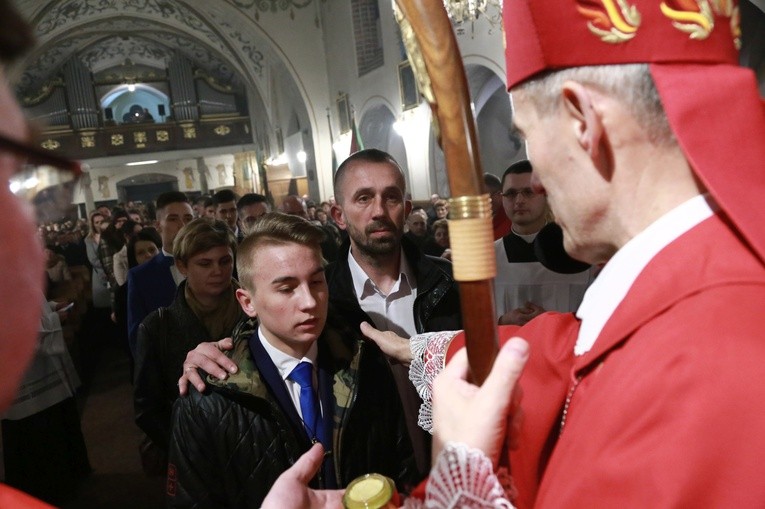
274	6
247	47
111	51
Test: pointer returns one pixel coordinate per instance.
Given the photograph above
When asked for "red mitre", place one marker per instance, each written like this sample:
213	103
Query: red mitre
712	103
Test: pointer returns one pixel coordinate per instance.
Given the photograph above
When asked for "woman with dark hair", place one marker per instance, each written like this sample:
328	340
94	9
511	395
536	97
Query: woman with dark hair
205	307
141	247
144	246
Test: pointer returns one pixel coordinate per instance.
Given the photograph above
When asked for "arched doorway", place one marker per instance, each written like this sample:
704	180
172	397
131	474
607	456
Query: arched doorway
145	188
494	117
497	147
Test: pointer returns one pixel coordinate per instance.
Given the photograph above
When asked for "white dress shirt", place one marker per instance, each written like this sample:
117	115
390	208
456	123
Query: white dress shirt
394	311
614	281
286	363
177	276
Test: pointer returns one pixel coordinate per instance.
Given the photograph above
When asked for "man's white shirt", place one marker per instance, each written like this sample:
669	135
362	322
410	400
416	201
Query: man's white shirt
286	363
391	312
612	284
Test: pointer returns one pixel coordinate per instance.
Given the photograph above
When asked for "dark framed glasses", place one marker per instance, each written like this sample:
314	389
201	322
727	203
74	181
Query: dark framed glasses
512	194
45	180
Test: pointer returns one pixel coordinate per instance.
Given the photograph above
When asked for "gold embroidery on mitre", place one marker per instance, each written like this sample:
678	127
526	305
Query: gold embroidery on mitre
694	17
729	9
614	21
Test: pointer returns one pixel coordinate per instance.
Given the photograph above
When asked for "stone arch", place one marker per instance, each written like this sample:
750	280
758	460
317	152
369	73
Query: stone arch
493	116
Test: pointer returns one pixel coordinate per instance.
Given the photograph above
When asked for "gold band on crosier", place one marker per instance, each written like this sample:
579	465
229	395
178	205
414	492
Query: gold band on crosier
470	231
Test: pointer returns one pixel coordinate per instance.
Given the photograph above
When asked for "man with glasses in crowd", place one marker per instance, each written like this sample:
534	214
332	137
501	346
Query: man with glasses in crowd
524	288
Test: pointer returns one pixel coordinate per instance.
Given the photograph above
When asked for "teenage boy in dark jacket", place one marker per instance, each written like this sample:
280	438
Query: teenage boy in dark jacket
230	443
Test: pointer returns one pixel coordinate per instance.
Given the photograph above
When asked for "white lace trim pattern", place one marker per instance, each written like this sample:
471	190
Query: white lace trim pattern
463	477
428	359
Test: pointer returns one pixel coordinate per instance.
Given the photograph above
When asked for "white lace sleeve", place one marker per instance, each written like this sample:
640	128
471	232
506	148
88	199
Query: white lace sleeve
463	477
428	359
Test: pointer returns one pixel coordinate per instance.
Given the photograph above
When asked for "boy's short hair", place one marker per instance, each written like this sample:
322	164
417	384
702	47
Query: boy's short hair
275	228
224	196
252	199
200	235
165	199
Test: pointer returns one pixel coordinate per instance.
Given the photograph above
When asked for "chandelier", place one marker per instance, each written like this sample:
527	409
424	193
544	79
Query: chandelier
461	11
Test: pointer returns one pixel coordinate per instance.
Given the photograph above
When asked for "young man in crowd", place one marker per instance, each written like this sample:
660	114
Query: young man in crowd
226	210
250	208
152	285
301	381
525	288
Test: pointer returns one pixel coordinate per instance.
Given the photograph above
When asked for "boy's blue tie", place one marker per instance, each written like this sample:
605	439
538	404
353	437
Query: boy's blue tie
309	402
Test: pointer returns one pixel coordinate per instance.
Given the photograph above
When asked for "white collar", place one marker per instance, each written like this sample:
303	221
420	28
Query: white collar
528	237
286	363
362	283
617	276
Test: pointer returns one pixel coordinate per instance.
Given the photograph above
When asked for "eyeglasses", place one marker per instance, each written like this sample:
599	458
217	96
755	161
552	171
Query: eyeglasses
45	180
512	194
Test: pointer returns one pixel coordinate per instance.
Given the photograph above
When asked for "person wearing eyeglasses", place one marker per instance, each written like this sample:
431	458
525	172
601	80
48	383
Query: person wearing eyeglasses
525	288
21	259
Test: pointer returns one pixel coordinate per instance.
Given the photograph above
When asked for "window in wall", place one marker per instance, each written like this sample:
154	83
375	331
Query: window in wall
368	36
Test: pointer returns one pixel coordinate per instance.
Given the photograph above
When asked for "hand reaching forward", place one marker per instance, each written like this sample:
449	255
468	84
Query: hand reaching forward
477	416
521	315
210	358
392	345
291	491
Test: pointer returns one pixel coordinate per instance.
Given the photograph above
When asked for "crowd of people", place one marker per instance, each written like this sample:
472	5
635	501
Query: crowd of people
284	350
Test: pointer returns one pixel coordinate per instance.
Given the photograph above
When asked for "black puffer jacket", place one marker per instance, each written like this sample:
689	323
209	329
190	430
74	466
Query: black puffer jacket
230	443
164	339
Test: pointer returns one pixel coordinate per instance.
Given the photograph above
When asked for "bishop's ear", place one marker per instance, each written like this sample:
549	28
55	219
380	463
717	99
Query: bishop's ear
246	301
581	105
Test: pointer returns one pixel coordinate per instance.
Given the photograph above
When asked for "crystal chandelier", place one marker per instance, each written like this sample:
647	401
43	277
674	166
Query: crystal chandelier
460	11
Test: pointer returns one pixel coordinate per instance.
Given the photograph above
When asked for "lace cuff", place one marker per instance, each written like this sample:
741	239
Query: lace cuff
428	359
463	477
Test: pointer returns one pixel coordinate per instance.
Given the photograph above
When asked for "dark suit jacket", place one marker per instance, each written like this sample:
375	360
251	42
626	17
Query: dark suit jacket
150	287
